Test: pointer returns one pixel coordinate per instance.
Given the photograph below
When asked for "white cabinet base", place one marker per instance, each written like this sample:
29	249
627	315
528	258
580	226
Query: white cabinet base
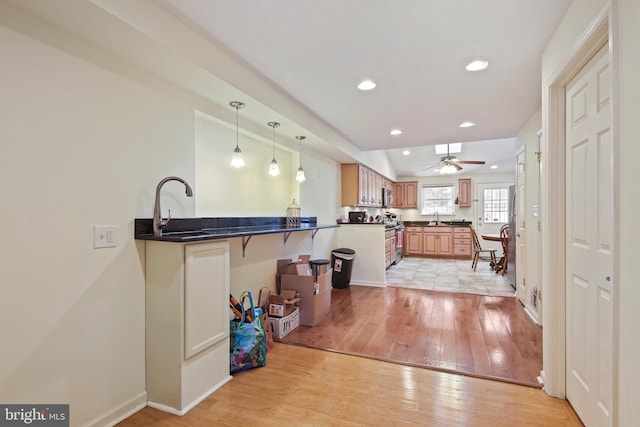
187	314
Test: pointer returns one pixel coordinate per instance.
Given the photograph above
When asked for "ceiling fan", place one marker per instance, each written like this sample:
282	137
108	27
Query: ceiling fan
451	164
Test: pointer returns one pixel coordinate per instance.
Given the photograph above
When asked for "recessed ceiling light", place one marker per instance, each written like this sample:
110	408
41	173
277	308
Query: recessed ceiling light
366	85
396	132
494	167
466	124
406	152
477	65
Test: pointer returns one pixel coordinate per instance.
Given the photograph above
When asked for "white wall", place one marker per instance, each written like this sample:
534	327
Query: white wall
222	190
248	191
468	214
84	145
80	147
626	33
527	137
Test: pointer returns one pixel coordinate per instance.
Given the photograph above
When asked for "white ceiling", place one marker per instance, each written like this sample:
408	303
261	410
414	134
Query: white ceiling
298	62
415	50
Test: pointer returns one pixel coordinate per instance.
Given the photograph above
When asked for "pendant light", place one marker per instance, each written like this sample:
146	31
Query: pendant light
237	161
274	169
300	175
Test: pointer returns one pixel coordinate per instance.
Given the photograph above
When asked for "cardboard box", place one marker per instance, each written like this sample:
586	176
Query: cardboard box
281	326
315	297
301	268
282	305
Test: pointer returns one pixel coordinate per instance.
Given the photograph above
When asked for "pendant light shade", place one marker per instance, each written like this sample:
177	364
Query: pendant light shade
237	161
274	169
300	174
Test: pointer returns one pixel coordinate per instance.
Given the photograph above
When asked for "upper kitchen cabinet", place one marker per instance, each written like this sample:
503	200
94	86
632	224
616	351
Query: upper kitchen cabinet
464	192
361	186
405	194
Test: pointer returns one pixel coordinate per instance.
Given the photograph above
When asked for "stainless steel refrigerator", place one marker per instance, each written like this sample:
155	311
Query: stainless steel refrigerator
511	237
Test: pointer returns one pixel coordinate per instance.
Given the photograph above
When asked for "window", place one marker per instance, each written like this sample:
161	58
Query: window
438	199
496	205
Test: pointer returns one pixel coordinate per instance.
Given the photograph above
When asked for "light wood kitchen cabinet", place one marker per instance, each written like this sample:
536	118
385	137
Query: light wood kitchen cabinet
361	186
437	241
464	192
398	195
413	240
389	247
187	322
411	194
405	194
462	242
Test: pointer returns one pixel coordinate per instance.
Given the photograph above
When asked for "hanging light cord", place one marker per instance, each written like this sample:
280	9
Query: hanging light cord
274	125
274	141
300	139
237	134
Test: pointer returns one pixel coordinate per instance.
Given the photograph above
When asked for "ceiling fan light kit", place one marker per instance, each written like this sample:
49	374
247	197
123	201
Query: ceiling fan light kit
451	164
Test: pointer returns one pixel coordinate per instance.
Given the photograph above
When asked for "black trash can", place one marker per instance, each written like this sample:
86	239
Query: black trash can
342	263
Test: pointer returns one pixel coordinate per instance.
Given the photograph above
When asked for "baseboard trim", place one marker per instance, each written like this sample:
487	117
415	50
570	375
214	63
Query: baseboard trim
373	284
531	314
191	405
206	394
164	408
120	413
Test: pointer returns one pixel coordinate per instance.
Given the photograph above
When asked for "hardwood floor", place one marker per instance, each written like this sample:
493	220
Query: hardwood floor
302	386
485	336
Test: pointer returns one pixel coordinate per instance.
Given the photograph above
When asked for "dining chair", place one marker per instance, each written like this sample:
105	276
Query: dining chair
504	239
479	253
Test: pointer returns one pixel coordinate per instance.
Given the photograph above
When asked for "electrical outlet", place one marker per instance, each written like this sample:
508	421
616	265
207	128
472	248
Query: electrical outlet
104	236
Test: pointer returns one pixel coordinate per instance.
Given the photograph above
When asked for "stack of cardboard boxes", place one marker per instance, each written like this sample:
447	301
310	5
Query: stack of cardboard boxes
298	286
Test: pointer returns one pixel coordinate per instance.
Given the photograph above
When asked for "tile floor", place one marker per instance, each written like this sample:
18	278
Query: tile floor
448	275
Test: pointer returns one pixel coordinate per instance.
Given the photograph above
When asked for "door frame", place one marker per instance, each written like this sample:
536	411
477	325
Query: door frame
521	254
553	196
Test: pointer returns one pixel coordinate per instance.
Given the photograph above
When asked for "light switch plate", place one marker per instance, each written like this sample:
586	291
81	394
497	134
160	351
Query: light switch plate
104	236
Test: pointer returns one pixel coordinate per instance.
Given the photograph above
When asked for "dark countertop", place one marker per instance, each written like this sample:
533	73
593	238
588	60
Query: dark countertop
448	223
387	227
200	229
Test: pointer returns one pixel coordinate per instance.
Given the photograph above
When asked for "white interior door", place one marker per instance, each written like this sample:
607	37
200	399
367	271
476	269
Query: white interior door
492	212
589	207
519	232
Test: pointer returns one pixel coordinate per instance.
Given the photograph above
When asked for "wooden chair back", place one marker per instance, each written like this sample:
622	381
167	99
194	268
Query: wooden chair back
474	239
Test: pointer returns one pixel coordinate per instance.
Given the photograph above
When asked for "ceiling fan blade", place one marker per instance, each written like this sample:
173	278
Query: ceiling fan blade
455	165
431	166
471	162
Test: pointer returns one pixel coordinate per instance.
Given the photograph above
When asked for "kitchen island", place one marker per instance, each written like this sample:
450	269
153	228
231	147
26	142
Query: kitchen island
370	241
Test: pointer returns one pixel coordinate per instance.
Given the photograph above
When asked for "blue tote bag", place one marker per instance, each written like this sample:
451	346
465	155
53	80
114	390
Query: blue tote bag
248	341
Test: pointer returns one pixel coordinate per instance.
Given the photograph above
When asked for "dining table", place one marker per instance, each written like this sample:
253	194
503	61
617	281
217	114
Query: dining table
501	265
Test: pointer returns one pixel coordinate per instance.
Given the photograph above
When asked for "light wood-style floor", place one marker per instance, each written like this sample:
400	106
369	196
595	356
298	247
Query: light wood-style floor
486	336
302	386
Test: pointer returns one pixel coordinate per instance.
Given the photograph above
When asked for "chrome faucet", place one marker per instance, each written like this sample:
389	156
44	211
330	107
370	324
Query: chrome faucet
437	217
158	222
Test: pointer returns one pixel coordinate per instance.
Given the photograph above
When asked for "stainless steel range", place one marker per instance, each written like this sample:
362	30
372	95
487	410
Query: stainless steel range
399	242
